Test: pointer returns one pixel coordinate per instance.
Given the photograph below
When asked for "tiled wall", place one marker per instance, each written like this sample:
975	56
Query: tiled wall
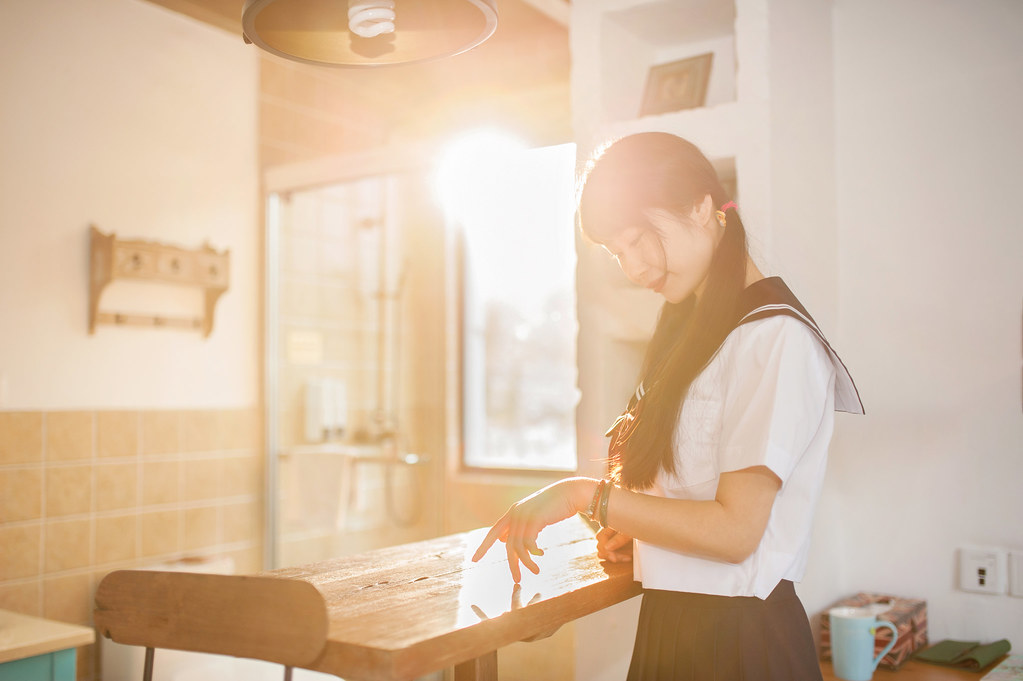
86	492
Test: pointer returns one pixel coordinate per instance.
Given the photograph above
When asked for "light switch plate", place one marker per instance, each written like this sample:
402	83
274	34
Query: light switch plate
1016	573
983	569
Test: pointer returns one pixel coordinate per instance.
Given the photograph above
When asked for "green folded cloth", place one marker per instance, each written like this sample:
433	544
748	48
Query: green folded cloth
964	654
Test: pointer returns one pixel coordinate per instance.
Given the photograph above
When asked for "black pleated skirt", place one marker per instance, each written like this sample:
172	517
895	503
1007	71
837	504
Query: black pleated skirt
696	637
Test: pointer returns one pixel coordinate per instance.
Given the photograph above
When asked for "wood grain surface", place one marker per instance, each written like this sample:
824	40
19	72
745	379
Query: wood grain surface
393	614
405	611
264	618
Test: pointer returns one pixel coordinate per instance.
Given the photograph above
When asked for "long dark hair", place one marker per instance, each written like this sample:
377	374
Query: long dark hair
656	170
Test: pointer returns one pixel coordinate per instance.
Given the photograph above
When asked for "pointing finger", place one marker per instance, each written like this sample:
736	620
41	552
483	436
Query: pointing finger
489	540
513	562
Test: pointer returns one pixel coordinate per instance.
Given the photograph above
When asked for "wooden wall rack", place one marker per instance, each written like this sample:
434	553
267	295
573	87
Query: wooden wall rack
111	259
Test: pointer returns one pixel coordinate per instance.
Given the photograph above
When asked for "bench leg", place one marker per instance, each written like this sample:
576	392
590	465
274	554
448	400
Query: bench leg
483	668
147	669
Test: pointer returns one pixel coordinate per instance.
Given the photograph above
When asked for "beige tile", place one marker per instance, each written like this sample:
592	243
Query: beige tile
20	557
199	431
21	494
160	432
225	430
299	551
68	490
247	561
242	475
22	597
21	437
241	429
292	427
160	482
68	435
67	545
116	486
117	433
252	431
242	522
115	539
68	599
200	528
201	479
160	533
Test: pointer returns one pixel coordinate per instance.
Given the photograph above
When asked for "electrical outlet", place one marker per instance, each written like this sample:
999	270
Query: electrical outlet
1016	573
982	570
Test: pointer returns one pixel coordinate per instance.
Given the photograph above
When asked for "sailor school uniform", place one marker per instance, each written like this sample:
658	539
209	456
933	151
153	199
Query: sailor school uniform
766	398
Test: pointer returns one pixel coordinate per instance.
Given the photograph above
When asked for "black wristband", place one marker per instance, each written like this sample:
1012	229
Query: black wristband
591	512
605	496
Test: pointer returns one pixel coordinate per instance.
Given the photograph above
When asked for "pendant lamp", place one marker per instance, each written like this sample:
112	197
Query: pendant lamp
368	33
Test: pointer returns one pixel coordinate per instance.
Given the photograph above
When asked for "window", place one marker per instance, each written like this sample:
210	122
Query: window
515	210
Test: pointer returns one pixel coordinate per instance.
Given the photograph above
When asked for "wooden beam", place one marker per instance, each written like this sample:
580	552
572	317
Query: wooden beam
558	10
326	170
224	14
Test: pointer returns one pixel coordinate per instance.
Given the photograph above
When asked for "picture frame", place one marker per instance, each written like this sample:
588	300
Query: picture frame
677	85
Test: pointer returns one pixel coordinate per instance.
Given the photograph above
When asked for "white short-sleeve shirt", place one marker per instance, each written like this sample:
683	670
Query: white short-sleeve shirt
766	398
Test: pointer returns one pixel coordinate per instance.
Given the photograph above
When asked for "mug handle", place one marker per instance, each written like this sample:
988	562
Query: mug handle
891	644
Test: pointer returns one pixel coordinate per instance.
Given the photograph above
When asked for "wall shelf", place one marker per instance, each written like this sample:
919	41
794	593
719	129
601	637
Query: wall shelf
627	39
718	130
112	259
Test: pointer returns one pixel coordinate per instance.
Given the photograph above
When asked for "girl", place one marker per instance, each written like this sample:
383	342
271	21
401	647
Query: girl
717	464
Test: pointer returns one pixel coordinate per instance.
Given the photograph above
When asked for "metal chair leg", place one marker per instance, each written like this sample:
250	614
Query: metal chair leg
287	674
147	670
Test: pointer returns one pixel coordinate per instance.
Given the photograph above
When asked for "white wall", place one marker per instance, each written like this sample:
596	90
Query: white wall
930	252
801	244
126	115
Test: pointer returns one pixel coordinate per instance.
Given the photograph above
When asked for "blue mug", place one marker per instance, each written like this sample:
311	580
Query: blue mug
852	642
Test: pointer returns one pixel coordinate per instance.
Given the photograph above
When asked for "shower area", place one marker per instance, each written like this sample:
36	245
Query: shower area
355	366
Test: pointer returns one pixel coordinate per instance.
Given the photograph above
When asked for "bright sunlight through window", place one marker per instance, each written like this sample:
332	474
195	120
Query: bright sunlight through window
515	209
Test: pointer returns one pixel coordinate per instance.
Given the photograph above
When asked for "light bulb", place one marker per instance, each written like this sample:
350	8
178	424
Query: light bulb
370	18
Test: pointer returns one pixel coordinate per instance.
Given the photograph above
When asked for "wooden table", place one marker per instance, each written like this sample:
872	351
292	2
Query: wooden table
388	615
914	671
36	648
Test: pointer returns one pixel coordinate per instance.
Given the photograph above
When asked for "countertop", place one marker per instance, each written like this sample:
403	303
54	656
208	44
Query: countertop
24	636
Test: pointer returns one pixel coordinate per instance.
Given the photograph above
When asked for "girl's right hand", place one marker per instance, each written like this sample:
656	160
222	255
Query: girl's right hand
519	527
614	547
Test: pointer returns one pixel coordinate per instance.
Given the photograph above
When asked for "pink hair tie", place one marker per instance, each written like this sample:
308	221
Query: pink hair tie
720	213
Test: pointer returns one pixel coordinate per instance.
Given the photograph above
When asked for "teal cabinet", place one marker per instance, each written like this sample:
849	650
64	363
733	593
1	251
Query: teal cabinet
37	649
56	666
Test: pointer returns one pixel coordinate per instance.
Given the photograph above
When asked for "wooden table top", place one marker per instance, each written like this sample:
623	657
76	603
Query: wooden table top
24	636
386	615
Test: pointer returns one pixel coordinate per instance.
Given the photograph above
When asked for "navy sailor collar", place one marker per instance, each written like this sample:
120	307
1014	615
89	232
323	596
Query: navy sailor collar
769	297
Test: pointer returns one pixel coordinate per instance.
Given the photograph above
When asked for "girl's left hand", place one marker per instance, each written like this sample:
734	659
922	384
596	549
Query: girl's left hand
520	525
613	546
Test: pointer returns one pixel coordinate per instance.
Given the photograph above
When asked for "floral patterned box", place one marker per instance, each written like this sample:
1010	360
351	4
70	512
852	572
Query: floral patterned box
907	614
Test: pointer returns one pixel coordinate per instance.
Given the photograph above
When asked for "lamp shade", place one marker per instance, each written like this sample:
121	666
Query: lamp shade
319	32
